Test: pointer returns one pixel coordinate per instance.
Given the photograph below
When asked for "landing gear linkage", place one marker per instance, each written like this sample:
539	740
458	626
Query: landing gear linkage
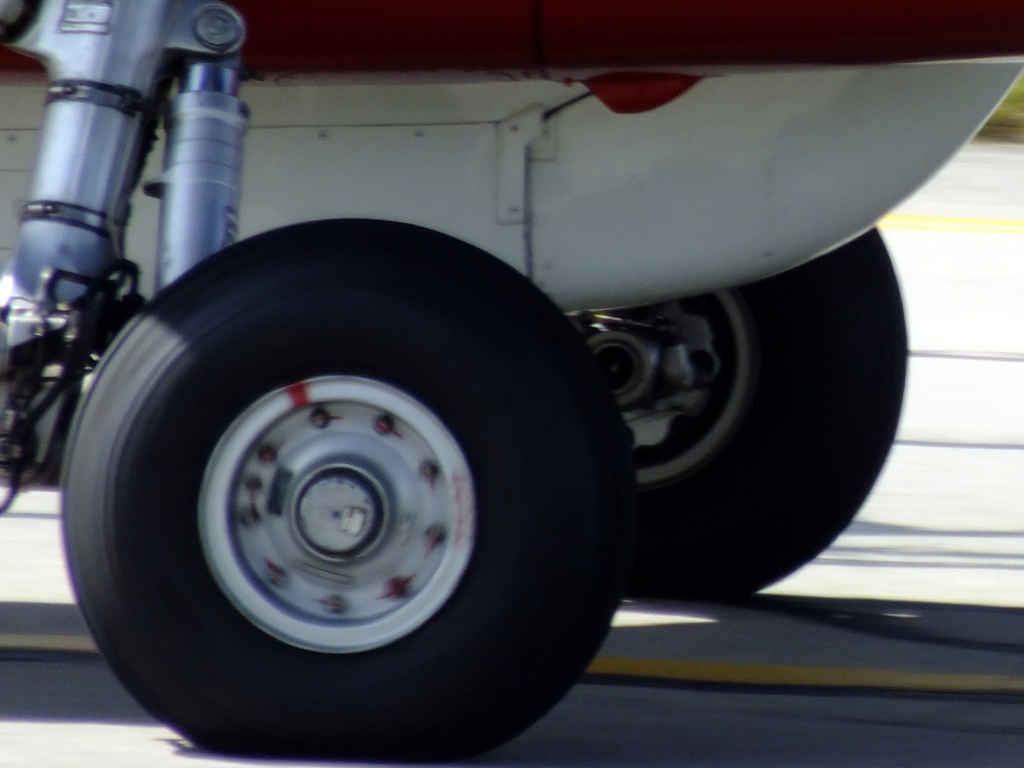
73	336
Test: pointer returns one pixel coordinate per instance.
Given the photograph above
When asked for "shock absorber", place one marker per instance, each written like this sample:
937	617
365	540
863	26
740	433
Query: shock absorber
201	184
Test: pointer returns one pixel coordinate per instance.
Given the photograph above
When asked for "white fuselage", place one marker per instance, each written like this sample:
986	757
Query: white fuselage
742	177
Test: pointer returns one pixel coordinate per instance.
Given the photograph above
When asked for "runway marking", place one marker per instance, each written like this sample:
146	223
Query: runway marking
981	357
63	643
768	675
805	677
966	446
953	224
629	617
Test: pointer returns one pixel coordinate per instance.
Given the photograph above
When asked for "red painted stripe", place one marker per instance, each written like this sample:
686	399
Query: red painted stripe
299	393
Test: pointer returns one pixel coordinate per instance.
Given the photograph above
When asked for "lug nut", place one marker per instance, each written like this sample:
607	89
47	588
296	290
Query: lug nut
436	536
430	472
320	418
385	424
253	483
267	454
398	587
333	604
250	516
276	575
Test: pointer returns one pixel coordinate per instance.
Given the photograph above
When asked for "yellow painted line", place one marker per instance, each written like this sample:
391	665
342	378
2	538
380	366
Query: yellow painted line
689	671
806	677
69	643
953	224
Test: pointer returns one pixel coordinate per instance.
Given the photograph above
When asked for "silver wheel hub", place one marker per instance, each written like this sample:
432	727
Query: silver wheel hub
667	371
338	514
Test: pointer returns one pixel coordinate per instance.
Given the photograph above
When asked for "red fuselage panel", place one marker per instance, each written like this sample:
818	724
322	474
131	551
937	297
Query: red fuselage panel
534	36
675	33
390	35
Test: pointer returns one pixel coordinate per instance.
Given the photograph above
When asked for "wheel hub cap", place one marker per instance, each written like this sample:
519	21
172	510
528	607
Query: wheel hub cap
338	514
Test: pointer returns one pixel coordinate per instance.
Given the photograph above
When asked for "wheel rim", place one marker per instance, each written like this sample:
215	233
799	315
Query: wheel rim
691	442
338	514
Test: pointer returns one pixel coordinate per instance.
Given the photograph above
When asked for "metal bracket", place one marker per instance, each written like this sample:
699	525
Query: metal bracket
127	100
68	213
208	28
516	134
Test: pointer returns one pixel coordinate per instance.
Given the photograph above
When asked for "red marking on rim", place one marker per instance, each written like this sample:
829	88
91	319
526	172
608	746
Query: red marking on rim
299	394
398	587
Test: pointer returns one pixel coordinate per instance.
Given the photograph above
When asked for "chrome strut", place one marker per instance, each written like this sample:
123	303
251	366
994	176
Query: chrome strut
200	188
111	64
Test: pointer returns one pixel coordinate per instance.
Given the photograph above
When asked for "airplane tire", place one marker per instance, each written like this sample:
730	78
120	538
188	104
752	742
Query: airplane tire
269	499
830	338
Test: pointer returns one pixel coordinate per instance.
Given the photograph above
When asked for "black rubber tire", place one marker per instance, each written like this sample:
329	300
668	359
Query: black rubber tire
833	356
454	328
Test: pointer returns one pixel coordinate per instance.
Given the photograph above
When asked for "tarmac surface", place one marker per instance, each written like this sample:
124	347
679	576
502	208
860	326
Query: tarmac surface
902	645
